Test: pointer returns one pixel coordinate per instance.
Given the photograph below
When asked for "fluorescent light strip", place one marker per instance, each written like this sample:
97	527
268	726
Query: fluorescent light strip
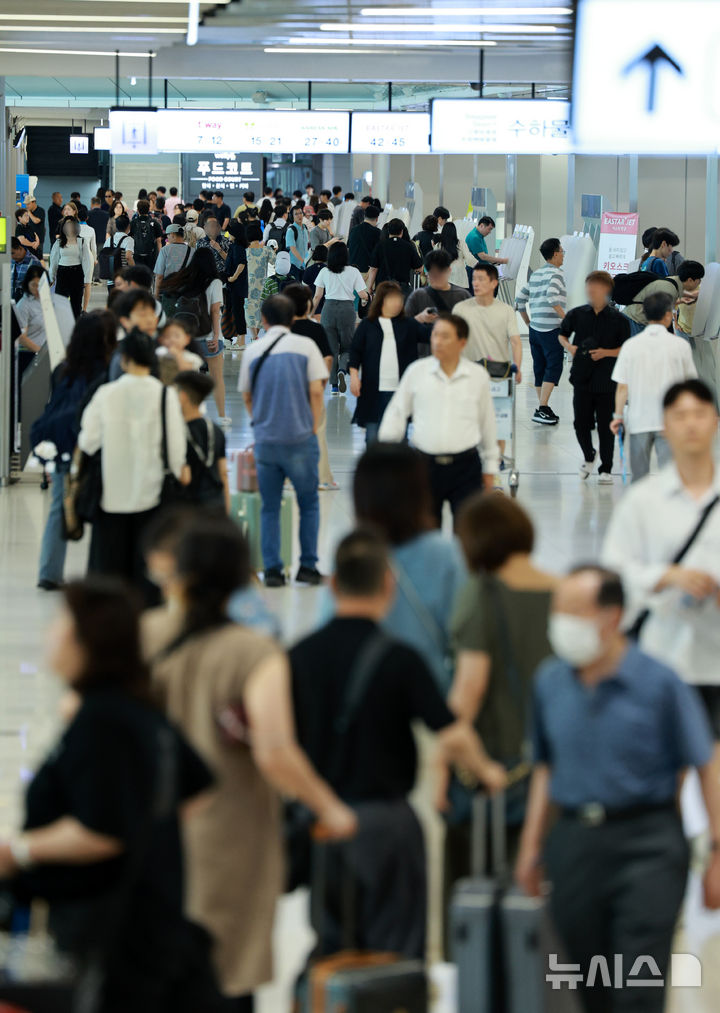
414	43
337	52
119	30
88	17
442	29
75	52
463	12
193	19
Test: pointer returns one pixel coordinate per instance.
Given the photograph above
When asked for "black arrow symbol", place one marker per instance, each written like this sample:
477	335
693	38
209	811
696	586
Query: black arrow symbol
653	58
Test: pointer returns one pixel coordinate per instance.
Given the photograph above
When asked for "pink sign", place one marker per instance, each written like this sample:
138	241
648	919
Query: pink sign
618	239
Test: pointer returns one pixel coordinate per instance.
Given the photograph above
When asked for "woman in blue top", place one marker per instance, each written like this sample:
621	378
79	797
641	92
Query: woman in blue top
392	494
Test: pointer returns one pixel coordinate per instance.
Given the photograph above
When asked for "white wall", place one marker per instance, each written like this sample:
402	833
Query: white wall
130	173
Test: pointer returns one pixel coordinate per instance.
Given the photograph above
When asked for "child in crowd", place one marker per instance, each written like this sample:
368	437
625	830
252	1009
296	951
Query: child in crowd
206	444
175	350
133	308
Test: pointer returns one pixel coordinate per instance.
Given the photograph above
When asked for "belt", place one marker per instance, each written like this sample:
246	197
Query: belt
594	814
445	459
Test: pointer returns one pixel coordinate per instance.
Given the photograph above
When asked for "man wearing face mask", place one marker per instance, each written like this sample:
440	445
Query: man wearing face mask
613	730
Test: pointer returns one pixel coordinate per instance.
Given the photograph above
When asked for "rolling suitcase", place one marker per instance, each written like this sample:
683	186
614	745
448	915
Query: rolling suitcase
245	511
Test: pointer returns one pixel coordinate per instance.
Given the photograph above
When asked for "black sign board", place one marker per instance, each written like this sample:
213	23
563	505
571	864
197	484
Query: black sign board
226	171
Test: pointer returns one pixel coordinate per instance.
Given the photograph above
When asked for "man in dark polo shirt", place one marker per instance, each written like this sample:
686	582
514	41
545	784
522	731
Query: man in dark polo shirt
394	259
356	693
592	335
439	295
362	241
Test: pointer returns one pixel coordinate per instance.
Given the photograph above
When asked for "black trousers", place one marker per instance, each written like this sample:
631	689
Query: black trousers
70	281
116	549
617	889
454	482
237	305
593	410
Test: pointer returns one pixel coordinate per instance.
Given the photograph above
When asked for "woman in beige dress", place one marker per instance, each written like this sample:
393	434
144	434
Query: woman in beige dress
213	673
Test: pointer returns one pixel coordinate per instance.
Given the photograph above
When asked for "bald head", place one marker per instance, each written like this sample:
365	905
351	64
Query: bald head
588	591
585	621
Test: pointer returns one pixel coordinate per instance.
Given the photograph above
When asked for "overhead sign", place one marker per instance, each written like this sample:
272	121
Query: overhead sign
390	133
79	144
647	77
618	240
266	130
133	132
500	127
226	171
102	138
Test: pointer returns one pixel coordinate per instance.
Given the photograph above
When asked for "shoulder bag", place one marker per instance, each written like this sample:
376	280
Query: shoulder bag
637	627
171	490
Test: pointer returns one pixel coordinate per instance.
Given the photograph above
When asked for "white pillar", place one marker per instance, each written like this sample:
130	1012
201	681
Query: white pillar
381	177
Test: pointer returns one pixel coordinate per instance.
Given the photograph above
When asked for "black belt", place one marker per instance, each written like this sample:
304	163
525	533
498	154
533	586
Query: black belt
594	814
445	459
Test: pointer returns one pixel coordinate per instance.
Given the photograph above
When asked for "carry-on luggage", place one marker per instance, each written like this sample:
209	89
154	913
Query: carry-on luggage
245	511
32	391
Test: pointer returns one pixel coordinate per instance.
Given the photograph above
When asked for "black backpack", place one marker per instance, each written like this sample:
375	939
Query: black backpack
144	235
278	233
192	310
627	287
110	258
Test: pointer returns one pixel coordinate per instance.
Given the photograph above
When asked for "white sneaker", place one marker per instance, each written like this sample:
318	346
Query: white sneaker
586	469
605	478
224	420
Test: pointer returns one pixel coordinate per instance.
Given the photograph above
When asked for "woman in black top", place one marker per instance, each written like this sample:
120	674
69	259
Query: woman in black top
382	369
237	279
101	839
427	235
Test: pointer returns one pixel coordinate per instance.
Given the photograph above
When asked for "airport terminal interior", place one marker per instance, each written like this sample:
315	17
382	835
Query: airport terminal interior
359	506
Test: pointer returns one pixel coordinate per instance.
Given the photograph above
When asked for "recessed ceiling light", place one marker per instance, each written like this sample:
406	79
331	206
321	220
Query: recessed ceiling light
442	29
463	12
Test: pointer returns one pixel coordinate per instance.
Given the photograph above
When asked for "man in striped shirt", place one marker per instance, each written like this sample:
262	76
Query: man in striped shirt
547	295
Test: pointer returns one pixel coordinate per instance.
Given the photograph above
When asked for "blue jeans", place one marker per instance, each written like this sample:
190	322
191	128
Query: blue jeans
298	462
52	551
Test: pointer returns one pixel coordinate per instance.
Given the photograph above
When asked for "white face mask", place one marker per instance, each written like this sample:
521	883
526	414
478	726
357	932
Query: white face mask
574	639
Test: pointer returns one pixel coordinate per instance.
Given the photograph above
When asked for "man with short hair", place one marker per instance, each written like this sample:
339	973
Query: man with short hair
309	192
219	245
322	234
474	246
37	220
146	233
173	257
358	214
648	364
614	731
362	241
325	199
439	295
661	247
492	323
336	198
123	241
172	202
54	215
443	216
97	219
297	243
223	212
351	665
25	232
599	332
450	402
690	273
394	259
22	258
547	296
248	201
282	376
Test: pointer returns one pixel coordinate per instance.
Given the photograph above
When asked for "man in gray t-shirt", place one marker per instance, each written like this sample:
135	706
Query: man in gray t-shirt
173	257
438	296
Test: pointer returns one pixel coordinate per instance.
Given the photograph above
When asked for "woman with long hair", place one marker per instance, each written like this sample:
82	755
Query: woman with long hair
237	279
101	838
124	420
72	384
383	346
72	265
197	289
448	241
212	673
338	283
116	209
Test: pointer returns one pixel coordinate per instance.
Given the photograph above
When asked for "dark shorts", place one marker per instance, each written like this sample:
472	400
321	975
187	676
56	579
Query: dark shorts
547	356
710	698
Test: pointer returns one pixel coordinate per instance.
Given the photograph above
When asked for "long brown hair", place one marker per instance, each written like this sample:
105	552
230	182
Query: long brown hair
383	290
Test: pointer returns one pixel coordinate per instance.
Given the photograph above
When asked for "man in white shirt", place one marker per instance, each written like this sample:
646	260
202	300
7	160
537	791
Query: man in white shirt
647	366
450	403
492	324
649	527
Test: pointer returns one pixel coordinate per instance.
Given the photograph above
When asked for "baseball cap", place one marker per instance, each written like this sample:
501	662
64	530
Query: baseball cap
282	263
191	215
174	229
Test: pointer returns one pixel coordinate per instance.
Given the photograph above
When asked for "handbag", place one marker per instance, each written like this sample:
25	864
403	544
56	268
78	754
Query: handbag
86	493
497	370
171	490
636	629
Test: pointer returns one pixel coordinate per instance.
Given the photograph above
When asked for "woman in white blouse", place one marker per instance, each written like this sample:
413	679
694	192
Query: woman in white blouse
124	421
71	265
339	284
383	346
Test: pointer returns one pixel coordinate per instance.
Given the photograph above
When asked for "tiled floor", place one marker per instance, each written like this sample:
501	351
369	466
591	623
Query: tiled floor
570	517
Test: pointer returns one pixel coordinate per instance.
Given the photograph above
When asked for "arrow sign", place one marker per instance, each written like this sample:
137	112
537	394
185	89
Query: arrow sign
653	59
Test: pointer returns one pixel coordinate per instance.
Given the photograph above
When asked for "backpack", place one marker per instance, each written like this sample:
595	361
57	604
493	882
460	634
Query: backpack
278	233
60	421
627	287
193	309
110	259
144	235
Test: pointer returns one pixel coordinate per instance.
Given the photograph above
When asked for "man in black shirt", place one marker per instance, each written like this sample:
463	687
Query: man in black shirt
394	259
362	241
439	295
599	331
354	720
97	220
358	215
37	221
223	212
